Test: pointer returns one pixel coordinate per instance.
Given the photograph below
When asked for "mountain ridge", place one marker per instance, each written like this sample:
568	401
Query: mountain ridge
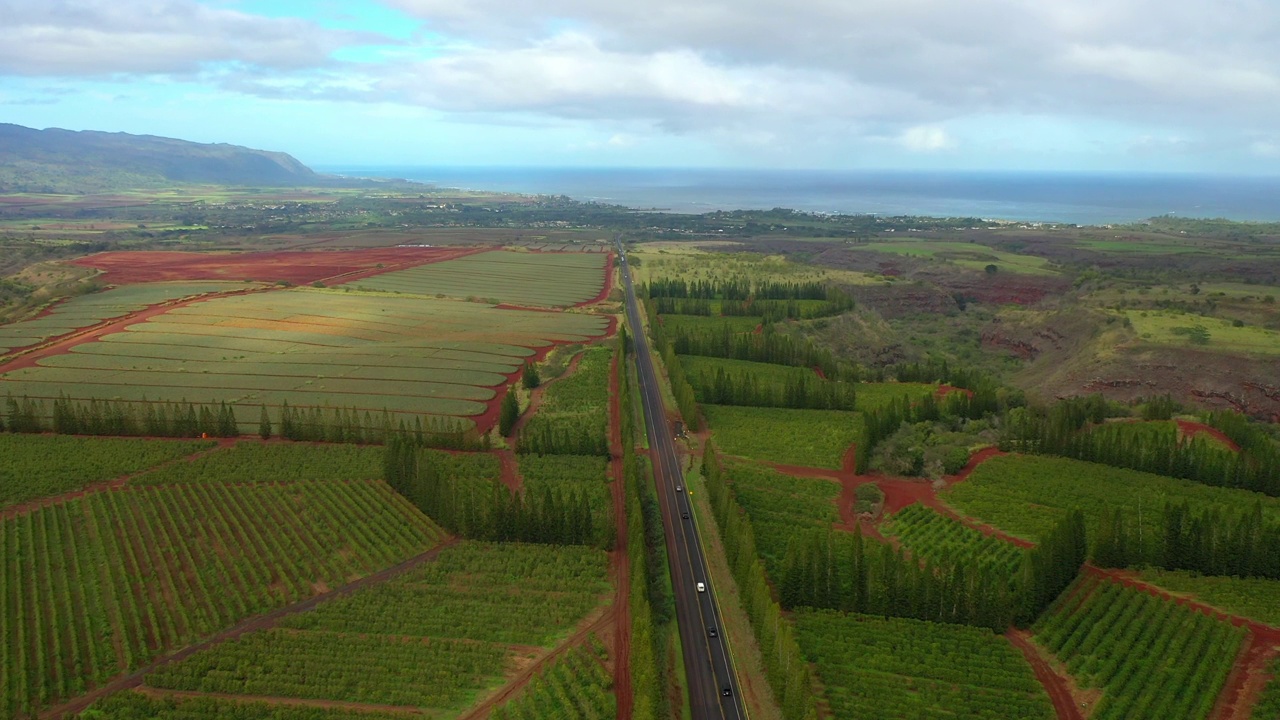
56	160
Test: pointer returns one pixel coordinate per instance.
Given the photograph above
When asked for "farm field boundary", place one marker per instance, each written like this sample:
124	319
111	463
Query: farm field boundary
262	622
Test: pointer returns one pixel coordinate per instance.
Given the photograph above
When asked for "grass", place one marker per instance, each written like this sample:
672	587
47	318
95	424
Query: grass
966	255
1255	598
812	438
710	324
1217	334
519	278
1027	495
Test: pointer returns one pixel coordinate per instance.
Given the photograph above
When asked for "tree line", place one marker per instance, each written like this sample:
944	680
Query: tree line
1212	541
486	510
842	571
652	602
1074	428
192	420
743	387
785	666
740	288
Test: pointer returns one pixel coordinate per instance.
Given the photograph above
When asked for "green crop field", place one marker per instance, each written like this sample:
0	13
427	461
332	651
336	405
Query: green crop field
1027	495
586	475
1268	706
250	462
781	506
502	276
966	255
131	705
812	438
1152	657
86	310
931	536
680	261
36	466
574	416
707	324
113	579
405	355
1217	334
877	395
435	638
1254	598
576	687
903	669
701	370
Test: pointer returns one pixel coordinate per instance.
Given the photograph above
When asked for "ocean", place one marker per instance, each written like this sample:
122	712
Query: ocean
1085	199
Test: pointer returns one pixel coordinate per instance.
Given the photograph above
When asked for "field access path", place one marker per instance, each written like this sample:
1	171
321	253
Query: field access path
261	622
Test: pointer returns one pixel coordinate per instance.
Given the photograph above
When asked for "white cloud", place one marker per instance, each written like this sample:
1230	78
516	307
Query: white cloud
926	138
104	37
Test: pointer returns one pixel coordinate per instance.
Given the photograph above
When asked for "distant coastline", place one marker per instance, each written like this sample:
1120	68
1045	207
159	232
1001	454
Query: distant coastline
1085	199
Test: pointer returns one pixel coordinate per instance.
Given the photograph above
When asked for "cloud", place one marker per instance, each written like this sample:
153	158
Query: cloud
87	38
887	66
926	138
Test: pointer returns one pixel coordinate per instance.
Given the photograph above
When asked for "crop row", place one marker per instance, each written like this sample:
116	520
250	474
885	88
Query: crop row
38	466
1252	597
931	536
250	462
576	687
131	705
582	474
381	669
86	310
1268	705
1026	495
781	507
812	438
96	586
899	668
496	592
549	279
432	638
1152	657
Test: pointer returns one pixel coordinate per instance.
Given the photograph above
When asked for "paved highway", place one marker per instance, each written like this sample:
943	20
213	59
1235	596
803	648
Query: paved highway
706	658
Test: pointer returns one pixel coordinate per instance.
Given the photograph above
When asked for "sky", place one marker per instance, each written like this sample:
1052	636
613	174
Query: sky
1043	85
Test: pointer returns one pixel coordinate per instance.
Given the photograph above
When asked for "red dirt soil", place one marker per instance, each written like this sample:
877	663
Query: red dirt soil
608	284
818	371
126	267
1059	693
945	390
1190	428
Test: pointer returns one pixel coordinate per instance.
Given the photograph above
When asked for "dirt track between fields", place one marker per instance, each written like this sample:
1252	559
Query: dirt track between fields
260	622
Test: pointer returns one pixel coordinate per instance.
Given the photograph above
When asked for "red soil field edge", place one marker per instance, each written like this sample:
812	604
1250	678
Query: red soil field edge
1054	684
1190	428
1248	674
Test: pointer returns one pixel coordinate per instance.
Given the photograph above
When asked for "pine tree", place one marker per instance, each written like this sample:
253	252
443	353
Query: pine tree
509	413
264	424
530	377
